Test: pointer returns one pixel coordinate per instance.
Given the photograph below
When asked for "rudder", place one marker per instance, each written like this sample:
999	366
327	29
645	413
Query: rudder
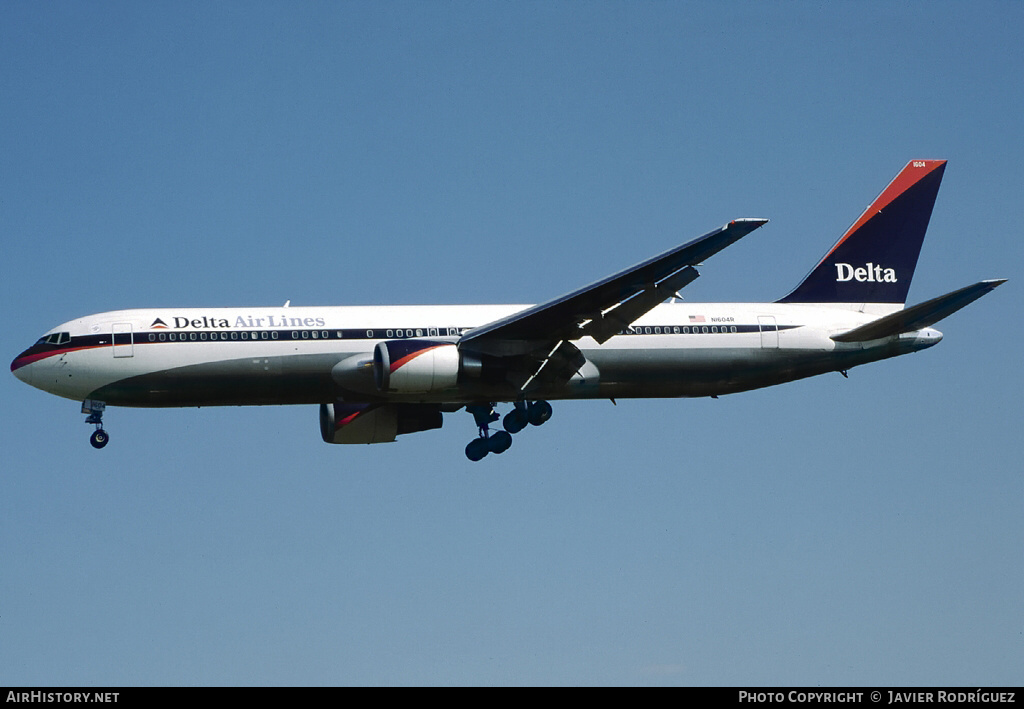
874	261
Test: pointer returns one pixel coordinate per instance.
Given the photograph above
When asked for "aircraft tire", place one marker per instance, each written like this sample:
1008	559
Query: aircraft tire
515	420
499	442
539	412
477	449
99	438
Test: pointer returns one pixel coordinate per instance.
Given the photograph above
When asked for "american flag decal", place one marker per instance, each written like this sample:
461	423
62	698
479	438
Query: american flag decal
696	318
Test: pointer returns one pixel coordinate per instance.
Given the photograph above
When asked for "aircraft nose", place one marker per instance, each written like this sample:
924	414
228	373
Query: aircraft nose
22	369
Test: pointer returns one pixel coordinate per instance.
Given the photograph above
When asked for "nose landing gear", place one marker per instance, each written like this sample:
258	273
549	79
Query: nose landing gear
535	413
99	437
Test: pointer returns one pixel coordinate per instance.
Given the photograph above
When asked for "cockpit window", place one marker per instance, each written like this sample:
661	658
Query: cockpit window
55	338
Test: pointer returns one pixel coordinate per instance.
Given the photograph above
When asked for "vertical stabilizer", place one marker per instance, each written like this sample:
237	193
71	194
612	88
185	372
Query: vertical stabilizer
874	260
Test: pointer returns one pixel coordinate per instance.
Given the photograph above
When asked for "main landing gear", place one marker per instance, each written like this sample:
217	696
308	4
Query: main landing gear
536	413
99	437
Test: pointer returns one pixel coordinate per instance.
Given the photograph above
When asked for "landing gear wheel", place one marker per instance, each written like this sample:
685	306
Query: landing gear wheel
99	438
516	420
477	449
539	412
499	442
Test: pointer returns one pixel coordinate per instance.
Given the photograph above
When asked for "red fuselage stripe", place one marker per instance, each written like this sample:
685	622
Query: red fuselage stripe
29	359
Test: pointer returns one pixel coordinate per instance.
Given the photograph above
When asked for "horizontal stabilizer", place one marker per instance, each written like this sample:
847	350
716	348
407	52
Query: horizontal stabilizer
919	316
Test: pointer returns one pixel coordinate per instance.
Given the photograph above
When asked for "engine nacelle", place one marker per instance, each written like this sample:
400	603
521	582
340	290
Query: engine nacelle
415	366
343	422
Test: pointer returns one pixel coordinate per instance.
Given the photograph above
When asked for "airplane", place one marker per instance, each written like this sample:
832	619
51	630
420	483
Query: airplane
378	372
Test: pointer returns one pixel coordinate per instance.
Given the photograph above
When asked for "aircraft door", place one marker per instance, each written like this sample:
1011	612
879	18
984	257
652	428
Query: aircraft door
123	339
769	332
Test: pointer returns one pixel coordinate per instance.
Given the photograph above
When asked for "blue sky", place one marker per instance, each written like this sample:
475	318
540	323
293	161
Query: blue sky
828	532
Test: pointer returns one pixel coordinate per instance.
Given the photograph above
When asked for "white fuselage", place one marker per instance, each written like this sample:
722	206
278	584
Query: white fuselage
240	356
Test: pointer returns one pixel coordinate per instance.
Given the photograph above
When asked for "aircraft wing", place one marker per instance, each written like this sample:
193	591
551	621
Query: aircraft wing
602	309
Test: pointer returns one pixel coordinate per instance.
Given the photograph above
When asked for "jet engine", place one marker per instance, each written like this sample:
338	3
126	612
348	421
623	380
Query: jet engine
344	422
415	366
